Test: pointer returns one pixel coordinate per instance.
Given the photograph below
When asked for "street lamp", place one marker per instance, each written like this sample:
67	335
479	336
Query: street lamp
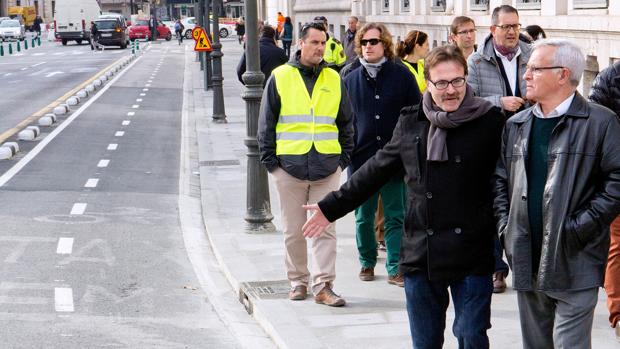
219	114
258	206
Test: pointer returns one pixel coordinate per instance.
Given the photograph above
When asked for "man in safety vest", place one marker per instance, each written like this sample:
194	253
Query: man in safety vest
305	135
334	55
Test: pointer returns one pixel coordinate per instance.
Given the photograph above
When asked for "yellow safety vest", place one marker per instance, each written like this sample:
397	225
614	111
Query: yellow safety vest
418	75
304	120
334	52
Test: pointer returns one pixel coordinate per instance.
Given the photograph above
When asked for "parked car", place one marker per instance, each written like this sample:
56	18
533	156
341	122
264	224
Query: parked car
3	18
11	29
112	31
139	29
190	23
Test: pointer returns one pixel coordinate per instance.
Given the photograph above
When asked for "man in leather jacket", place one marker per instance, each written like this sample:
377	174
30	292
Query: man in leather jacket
557	190
606	91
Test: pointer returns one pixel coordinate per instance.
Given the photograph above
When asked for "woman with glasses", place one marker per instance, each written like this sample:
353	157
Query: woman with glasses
412	52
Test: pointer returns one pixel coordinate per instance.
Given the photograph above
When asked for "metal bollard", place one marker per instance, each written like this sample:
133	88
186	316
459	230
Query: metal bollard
25	44
133	47
19	48
1	50
10	48
39	40
32	43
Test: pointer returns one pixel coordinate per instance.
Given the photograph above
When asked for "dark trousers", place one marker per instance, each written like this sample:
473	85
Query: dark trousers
500	265
427	302
286	45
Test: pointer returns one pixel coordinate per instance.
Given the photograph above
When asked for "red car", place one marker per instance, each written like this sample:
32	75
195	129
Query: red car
139	29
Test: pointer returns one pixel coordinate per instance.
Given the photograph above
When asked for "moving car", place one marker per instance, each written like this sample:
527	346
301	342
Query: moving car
139	29
112	31
11	29
72	19
190	23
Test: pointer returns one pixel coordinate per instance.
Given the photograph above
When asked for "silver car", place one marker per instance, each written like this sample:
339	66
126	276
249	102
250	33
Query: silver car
11	29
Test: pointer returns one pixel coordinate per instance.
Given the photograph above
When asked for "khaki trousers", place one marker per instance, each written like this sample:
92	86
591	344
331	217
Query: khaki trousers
294	193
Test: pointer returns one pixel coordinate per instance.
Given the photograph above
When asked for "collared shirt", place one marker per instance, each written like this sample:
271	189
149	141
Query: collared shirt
560	110
510	67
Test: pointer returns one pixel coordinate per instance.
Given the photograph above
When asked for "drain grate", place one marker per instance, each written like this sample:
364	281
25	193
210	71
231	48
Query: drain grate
219	163
254	290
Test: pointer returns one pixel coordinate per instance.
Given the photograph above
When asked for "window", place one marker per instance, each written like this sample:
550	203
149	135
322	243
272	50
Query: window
438	5
578	4
479	5
405	6
385	5
528	4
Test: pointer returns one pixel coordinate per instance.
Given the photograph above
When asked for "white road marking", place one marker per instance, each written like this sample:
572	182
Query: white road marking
149	81
142	94
49	75
63	299
136	106
148	85
131	113
8	74
91	183
34	65
139	100
119	134
38	54
145	89
112	146
78	208
65	246
23	68
126	122
103	163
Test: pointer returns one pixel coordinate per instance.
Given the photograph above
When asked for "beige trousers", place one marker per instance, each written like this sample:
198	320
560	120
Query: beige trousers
294	193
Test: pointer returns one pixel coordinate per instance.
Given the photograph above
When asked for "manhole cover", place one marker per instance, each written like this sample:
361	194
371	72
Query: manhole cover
219	163
267	289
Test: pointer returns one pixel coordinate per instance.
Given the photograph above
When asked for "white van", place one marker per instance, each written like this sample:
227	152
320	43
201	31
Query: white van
72	19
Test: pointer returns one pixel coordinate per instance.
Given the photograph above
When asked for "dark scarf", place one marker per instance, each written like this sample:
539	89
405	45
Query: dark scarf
470	109
509	53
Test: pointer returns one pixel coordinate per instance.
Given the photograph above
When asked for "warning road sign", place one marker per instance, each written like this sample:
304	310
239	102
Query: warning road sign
202	40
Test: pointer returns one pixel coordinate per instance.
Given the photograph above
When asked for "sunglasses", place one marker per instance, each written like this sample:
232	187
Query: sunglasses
372	42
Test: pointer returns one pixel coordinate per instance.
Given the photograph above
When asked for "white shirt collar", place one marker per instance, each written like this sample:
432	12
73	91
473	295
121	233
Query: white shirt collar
560	110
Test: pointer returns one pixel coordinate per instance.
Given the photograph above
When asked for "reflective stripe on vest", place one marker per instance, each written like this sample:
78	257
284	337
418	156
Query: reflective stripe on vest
305	121
418	75
335	56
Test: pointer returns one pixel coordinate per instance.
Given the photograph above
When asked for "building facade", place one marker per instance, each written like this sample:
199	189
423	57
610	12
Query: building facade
593	24
44	8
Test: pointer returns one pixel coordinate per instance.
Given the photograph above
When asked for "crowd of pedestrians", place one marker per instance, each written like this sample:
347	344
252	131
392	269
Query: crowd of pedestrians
465	155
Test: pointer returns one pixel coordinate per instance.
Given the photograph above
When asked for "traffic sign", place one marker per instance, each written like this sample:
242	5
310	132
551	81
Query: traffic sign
202	40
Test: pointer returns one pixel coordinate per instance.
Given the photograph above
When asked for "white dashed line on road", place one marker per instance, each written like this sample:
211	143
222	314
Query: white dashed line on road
119	134
34	65
131	113
63	299
126	122
91	183
65	246
23	68
78	208
103	163
142	94
149	81
112	146
139	100
136	106
148	85
145	89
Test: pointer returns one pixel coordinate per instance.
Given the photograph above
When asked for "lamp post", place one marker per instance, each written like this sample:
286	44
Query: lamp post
219	114
208	62
258	207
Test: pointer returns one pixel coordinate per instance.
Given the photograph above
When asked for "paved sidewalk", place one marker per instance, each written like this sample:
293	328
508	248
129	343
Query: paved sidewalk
375	315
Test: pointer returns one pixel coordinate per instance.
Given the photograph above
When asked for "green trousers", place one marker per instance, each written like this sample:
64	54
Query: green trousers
393	198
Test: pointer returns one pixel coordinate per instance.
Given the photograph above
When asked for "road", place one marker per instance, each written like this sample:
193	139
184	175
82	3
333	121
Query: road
92	251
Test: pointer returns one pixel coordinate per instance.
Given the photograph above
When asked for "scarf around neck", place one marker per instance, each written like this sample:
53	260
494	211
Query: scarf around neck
509	53
470	109
373	68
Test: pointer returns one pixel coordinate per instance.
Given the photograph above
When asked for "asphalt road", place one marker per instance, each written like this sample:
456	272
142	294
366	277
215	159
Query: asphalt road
91	248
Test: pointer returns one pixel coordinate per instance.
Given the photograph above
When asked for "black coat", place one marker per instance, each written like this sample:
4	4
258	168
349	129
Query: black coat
376	106
271	57
606	88
449	226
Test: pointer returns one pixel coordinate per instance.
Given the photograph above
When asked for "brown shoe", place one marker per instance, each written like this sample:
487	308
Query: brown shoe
299	293
397	279
367	274
499	282
328	297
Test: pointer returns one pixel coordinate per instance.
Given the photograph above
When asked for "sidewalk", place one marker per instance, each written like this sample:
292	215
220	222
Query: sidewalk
375	314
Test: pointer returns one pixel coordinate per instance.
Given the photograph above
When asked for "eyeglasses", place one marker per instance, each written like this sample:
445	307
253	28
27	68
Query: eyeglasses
443	84
539	70
466	32
507	27
372	42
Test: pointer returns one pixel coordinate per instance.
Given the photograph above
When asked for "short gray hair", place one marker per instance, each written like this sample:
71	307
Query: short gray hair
567	54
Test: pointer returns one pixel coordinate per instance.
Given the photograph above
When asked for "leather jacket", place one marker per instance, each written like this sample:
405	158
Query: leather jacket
581	198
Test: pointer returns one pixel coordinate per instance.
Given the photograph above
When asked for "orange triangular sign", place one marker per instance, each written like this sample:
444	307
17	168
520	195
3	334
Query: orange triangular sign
202	40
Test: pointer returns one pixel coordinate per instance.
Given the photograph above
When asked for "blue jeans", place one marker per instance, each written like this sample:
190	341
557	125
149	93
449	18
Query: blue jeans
427	302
